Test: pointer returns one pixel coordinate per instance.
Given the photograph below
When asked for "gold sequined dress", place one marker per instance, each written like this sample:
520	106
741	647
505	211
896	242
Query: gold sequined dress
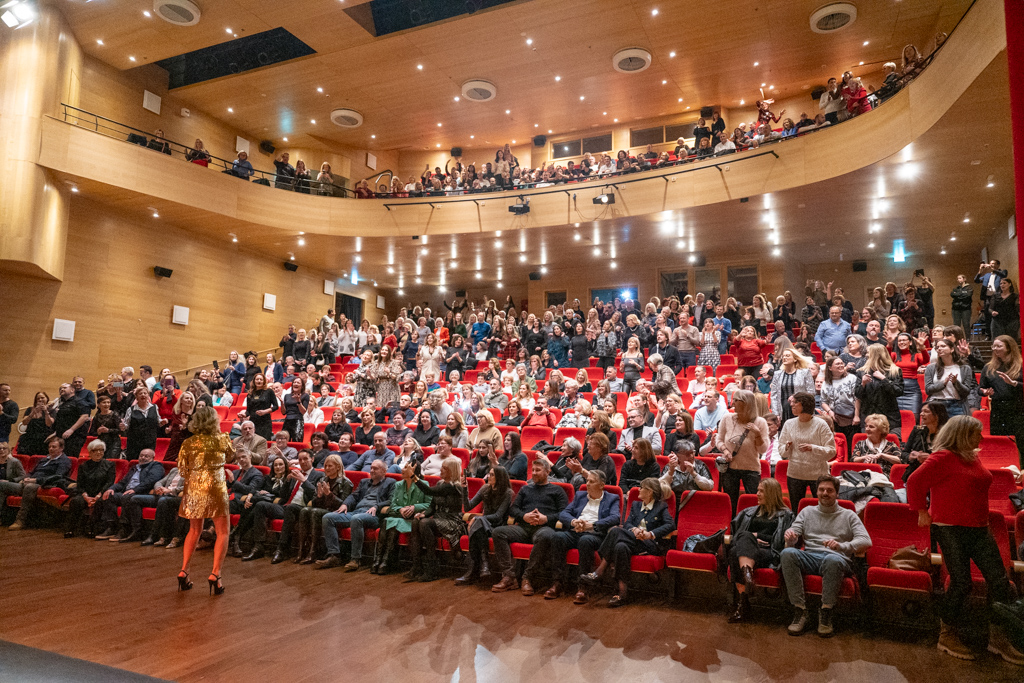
201	465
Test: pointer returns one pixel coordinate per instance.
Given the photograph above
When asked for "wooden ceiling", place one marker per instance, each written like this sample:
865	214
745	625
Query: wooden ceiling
716	46
819	222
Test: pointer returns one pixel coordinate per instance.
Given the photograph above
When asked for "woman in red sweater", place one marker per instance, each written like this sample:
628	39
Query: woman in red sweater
910	360
747	350
958	485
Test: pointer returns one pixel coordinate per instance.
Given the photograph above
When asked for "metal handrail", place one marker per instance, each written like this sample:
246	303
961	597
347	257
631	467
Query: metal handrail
187	373
115	129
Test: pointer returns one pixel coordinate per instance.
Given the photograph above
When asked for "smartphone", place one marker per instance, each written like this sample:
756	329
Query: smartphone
216	365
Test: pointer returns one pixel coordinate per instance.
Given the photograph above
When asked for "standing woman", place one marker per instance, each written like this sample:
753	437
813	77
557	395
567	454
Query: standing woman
881	383
387	369
606	345
808	444
205	494
838	398
443	519
948	381
431	355
709	338
1005	311
950	493
455	358
793	376
1001	382
183	411
743	439
251	370
295	403
748	351
366	385
580	347
37	426
106	426
261	402
909	359
632	364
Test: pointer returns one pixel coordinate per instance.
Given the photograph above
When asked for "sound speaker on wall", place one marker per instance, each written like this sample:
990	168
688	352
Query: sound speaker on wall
456	152
706	112
267	146
460	293
288	265
540	141
860	266
534	275
162	272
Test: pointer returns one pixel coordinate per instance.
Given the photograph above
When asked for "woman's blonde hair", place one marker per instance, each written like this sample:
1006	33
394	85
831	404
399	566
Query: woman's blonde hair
881	420
746	399
204	421
961	435
879	359
484	418
773	501
451	470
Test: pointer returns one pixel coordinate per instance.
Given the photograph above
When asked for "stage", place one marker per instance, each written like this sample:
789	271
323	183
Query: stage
116	605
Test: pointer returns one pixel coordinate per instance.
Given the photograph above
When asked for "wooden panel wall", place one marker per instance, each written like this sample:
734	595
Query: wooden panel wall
123	312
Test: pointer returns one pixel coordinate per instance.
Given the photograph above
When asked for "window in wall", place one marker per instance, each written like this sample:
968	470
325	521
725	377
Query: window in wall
681	130
641	137
675	284
566	148
555	298
609	294
708	281
597	145
743	283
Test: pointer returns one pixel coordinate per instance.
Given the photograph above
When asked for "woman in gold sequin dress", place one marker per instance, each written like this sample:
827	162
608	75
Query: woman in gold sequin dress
205	495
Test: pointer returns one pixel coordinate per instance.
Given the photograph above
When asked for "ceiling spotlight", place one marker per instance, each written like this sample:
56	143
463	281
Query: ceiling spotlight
439	125
373	137
227	30
763	84
654	12
456	98
613	265
866	43
604	113
74	188
302	241
420	67
771	87
616	120
967	219
742	102
319	89
471	137
130	58
536	125
582	98
606	198
313	121
558	78
508	111
302	232
991	181
871	245
498	285
438	144
756	63
952	238
776	251
359	259
543	269
156	215
391	271
692	258
478	275
671	54
597	251
942	251
522	258
550	131
680	99
285	139
577	225
234	238
577	237
529	41
99	42
291	256
146	14
664	82
231	110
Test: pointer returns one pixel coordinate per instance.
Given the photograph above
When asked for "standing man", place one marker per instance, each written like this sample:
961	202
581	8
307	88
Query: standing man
832	333
685	338
327	321
989	276
71	422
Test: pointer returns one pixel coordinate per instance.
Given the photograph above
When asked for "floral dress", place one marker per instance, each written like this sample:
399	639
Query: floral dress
387	381
709	349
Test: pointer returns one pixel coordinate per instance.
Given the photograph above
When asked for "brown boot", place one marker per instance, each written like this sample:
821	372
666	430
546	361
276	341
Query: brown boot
580	598
951	644
742	612
507	583
554	592
527	587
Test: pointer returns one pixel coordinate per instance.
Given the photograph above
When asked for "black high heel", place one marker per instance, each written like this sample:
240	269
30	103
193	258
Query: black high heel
216	588
183	583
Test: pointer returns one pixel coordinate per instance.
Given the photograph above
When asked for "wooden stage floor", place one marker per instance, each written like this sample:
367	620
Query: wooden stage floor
116	605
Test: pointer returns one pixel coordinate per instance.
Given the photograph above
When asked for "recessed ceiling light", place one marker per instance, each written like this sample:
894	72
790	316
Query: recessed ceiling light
866	43
471	137
871	245
420	67
776	251
581	98
952	238
146	14
543	269
391	271
558	78
577	225
861	64
227	30
456	98
577	237
230	110
942	251
763	84
664	82
742	102
616	120
285	139
771	87
292	257
513	142
529	41
991	182
439	144
687	107
597	251
613	265
373	137
74	188
359	259
319	89
131	59
478	275
654	12
967	219
419	281
439	125
156	215
522	258
671	54
536	125
99	42
302	241
756	63
604	113
508	111
680	99
302	232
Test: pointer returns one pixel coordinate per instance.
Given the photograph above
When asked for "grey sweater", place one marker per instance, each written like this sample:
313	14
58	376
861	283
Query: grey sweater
818	524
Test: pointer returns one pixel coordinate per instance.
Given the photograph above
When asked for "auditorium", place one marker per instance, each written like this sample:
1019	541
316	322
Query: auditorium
523	339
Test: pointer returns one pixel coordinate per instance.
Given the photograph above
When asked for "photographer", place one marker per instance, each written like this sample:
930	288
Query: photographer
989	276
540	416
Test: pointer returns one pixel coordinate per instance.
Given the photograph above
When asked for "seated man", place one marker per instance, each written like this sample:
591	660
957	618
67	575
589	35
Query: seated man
495	397
12	472
51	471
279	448
832	536
684	472
138	480
711	413
168	528
637	429
252	442
611	376
380	451
307	479
246	480
431	382
540	416
359	513
95	476
584	524
535	510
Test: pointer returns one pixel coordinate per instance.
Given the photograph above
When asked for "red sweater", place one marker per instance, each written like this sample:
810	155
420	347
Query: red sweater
909	363
959	490
748	352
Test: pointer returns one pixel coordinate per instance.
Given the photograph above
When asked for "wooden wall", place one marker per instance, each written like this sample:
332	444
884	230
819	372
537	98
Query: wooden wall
123	312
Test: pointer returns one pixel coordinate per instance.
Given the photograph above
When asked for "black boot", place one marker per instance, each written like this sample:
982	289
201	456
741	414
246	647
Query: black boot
472	571
236	546
390	550
485	570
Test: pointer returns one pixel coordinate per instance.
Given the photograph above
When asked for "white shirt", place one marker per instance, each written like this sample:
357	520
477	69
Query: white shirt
589	513
949	390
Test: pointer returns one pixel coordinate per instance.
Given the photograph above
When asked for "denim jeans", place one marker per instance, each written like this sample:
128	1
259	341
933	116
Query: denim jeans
960	545
358	522
688	358
831	567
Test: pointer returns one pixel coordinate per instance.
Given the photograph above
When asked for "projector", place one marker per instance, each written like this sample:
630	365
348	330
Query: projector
607	198
523	206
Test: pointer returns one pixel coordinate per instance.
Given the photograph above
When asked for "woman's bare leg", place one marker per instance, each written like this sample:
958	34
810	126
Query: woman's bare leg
220	548
195	528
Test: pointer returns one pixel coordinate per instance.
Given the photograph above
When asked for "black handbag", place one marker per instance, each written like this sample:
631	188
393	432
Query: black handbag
710	544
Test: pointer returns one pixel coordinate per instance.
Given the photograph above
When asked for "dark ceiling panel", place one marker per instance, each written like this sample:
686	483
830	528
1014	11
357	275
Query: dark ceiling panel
391	16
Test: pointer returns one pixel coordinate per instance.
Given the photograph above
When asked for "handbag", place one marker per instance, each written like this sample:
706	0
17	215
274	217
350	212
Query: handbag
910	559
699	543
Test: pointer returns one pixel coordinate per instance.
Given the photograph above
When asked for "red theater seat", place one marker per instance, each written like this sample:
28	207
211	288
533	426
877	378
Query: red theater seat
706	513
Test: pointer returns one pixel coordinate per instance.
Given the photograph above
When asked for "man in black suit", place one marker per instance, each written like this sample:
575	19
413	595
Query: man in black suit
138	480
305	478
52	471
669	354
71	422
246	480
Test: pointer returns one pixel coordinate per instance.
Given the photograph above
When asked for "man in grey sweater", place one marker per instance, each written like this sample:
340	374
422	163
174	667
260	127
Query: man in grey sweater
832	536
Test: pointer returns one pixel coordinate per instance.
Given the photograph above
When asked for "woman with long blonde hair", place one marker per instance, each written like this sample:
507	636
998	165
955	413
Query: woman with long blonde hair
792	376
1002	382
742	439
881	382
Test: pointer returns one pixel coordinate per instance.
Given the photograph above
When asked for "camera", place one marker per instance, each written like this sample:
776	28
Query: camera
919	272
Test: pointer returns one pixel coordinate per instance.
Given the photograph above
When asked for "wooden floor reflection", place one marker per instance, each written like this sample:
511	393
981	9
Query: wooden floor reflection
116	605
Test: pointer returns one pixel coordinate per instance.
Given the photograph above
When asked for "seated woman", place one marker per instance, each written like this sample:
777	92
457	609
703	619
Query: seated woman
615	418
512	459
397	433
331	491
431	466
426	431
919	443
485	432
95	476
583	380
876	447
275	488
337	426
411	452
407	500
683	432
758	537
641	466
648	522
525	398
514	414
484	459
600	422
442	519
319	446
496	496
455	429
367	428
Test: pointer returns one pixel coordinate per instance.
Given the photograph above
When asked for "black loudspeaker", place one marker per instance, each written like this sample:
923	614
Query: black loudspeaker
540	141
706	112
162	272
817	92
460	293
288	265
698	260
456	152
267	146
860	266
534	275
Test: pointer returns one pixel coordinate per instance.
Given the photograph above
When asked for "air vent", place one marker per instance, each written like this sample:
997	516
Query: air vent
631	60
479	91
346	118
177	12
831	18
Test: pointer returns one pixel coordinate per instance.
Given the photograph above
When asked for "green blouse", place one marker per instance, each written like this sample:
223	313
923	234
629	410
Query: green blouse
402	496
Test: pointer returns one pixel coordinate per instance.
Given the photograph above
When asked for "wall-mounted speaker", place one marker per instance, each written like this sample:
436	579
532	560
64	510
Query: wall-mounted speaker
288	265
706	112
460	293
456	152
698	260
267	146
860	266
162	272
540	141
817	91
534	275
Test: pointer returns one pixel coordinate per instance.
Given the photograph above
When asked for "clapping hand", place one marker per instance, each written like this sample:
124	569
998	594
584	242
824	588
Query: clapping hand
1006	378
832	544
